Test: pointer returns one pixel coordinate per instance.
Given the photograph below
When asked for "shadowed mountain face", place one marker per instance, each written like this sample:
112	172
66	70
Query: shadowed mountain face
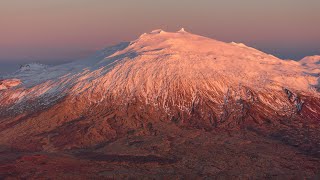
167	105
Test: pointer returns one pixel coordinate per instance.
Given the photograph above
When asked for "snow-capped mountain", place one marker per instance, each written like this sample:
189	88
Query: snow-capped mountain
177	77
312	63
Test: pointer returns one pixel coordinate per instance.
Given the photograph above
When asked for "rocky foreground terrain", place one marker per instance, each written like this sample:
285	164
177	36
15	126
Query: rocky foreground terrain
165	106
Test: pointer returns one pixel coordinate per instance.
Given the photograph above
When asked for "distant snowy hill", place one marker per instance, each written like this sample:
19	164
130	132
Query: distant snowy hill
311	60
312	63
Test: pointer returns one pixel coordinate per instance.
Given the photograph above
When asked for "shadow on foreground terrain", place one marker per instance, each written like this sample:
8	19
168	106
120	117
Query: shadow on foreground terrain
174	154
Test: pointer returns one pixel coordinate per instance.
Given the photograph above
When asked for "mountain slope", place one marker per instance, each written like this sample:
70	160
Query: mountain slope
163	86
158	64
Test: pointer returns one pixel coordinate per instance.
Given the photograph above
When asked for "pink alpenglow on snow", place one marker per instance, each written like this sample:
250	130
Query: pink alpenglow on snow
168	104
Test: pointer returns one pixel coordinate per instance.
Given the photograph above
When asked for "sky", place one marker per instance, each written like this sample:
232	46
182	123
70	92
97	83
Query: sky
56	31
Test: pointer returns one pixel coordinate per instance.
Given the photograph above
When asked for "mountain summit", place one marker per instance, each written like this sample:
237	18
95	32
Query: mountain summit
160	85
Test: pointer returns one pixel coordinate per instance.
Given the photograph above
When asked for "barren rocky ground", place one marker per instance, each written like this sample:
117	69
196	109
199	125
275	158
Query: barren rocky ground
166	151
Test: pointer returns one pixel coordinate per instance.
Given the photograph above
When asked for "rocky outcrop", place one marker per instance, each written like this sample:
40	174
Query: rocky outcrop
9	83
